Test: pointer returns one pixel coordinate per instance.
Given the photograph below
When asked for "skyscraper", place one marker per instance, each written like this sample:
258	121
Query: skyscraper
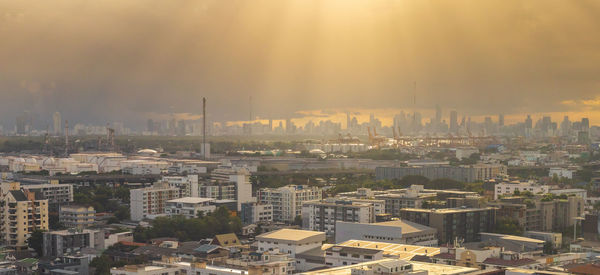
57	123
500	120
453	121
528	122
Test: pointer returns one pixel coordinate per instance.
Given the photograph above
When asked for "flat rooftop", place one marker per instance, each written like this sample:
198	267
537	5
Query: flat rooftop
191	200
432	269
291	234
402	251
447	210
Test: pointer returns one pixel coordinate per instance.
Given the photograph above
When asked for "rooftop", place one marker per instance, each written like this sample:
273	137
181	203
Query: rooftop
407	227
447	210
403	251
191	200
291	234
432	269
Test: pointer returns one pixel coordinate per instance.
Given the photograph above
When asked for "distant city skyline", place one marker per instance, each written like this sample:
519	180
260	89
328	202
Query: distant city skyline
294	56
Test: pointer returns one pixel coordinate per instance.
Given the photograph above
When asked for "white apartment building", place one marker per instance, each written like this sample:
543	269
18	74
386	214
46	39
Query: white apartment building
149	202
287	201
189	206
188	185
509	188
290	241
323	215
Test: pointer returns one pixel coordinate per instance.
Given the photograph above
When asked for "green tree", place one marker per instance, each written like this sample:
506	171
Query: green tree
297	220
508	225
102	265
549	248
36	241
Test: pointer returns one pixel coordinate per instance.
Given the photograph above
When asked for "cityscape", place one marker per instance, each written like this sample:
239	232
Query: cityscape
280	137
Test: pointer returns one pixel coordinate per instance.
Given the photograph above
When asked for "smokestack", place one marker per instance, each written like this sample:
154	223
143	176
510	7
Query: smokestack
204	127
66	138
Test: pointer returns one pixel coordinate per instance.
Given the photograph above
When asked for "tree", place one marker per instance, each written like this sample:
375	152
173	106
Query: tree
36	241
549	248
508	225
298	220
102	265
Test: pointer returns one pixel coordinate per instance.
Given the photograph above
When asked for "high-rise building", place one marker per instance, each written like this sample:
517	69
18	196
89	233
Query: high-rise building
438	115
501	120
236	180
151	201
453	121
528	122
585	124
23	212
57	122
287	201
322	215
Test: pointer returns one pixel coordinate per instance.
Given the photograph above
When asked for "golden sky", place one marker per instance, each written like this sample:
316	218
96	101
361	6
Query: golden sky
98	61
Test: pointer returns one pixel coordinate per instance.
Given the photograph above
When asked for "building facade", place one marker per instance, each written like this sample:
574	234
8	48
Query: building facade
323	215
151	201
22	213
451	223
77	216
189	207
287	201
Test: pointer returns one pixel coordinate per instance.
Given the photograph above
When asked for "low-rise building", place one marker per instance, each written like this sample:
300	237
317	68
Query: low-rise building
509	188
396	231
290	241
345	255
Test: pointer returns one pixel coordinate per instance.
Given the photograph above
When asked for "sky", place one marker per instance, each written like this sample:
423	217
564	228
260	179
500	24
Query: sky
114	60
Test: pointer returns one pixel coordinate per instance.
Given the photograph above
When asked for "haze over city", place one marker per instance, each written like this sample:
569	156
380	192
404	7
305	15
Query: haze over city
114	61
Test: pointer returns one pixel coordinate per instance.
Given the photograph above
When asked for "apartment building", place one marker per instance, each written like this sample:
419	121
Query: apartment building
189	207
228	183
22	212
323	215
149	202
549	213
287	201
77	216
509	188
253	213
451	223
54	192
69	242
396	231
465	173
188	185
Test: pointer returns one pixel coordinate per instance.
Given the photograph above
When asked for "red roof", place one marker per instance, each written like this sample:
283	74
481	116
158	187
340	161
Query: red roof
586	269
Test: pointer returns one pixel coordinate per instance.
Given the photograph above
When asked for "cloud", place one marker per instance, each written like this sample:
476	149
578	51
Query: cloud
99	61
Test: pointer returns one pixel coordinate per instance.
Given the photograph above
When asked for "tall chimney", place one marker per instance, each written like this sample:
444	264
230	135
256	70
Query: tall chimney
66	138
204	127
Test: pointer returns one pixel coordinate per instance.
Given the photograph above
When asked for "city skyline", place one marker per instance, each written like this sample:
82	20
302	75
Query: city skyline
294	57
